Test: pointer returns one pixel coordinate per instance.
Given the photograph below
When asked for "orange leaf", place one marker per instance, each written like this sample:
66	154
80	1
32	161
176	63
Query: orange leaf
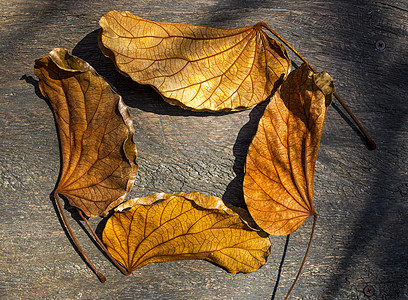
196	67
278	183
95	131
164	227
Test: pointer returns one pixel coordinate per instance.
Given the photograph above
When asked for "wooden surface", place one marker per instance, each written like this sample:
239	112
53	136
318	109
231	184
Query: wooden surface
361	195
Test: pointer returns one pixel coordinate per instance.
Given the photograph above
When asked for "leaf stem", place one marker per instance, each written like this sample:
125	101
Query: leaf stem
102	245
369	141
101	277
304	258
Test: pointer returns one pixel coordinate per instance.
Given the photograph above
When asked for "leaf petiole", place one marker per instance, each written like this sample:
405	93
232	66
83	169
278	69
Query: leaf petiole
101	277
102	245
304	258
369	141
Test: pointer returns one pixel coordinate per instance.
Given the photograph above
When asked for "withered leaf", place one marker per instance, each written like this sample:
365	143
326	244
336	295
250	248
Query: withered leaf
279	175
164	227
95	131
195	67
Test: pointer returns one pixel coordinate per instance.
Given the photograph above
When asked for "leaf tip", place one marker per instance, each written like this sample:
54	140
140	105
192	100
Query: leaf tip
325	83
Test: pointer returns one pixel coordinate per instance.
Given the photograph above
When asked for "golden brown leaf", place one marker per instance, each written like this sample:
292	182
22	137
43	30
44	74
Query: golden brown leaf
278	183
95	130
196	67
163	227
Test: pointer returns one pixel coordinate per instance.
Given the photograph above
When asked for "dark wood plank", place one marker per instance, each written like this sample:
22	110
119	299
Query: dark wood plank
360	195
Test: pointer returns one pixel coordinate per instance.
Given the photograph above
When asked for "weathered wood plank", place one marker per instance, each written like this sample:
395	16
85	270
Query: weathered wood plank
360	195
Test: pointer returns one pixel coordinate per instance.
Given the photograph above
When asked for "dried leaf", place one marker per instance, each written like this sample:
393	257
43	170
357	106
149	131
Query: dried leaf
278	183
164	227
95	130
196	67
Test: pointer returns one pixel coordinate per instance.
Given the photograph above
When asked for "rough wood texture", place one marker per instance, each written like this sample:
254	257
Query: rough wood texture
360	195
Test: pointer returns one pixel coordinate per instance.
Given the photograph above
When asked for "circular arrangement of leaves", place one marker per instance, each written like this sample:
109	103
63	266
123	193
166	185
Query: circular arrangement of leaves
197	68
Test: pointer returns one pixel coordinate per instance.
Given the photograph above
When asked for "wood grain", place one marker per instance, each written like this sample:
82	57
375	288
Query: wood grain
360	195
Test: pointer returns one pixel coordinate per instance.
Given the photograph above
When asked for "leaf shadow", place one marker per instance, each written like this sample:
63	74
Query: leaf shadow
349	122
285	250
34	83
101	225
234	192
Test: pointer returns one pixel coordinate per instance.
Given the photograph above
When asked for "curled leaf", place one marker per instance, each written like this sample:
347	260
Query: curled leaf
196	67
163	227
95	131
278	183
